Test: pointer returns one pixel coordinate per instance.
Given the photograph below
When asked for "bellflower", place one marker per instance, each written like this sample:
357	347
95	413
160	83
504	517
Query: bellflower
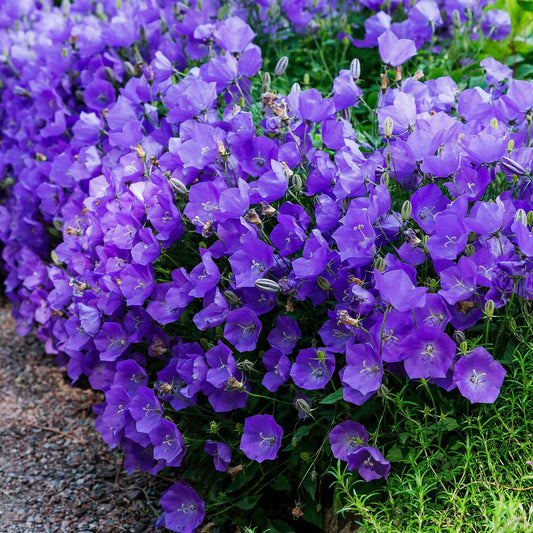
261	439
346	438
182	507
478	376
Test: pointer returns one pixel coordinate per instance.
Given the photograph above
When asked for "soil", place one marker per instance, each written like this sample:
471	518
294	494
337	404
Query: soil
56	473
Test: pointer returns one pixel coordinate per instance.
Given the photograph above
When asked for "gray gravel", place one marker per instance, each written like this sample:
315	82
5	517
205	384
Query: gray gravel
56	474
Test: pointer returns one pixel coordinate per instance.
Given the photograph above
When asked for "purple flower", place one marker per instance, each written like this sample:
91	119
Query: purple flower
478	376
168	443
285	335
313	368
261	439
364	369
394	51
496	24
278	366
370	463
427	353
221	454
397	289
346	438
242	329
146	410
183	509
251	262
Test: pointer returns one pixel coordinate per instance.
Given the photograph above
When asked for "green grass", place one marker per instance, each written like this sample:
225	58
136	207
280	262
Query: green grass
464	474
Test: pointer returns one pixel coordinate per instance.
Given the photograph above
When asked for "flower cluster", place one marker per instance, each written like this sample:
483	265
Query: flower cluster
221	257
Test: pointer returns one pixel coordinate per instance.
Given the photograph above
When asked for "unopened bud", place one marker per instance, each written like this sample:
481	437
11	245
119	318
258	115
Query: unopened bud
231	297
265	82
355	69
110	75
281	66
343	20
306	79
512	166
65	7
489	309
510	146
463	347
407	209
459	337
494	122
295	88
313	28
388	126
469	250
267	285
379	263
383	391
297	182
213	427
530	218
177	186
323	283
456	19
520	216
129	69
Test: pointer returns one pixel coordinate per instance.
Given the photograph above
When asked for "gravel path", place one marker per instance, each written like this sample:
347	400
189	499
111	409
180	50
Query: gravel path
56	474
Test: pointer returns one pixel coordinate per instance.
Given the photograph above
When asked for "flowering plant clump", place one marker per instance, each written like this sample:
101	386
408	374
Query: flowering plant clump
240	265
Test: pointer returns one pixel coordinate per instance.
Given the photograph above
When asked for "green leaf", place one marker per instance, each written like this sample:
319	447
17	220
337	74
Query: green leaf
449	424
282	484
395	455
248	503
333	397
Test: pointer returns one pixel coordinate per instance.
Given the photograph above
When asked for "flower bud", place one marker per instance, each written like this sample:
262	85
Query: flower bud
267	285
512	166
306	79
323	283
407	209
459	337
520	216
281	66
489	309
129	69
379	263
510	146
213	427
418	75
355	69
456	19
305	457
177	186
297	182
469	250
295	88
110	75
530	218
313	28
494	122
463	347
265	83
343	20
65	7
388	126
383	391
231	298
